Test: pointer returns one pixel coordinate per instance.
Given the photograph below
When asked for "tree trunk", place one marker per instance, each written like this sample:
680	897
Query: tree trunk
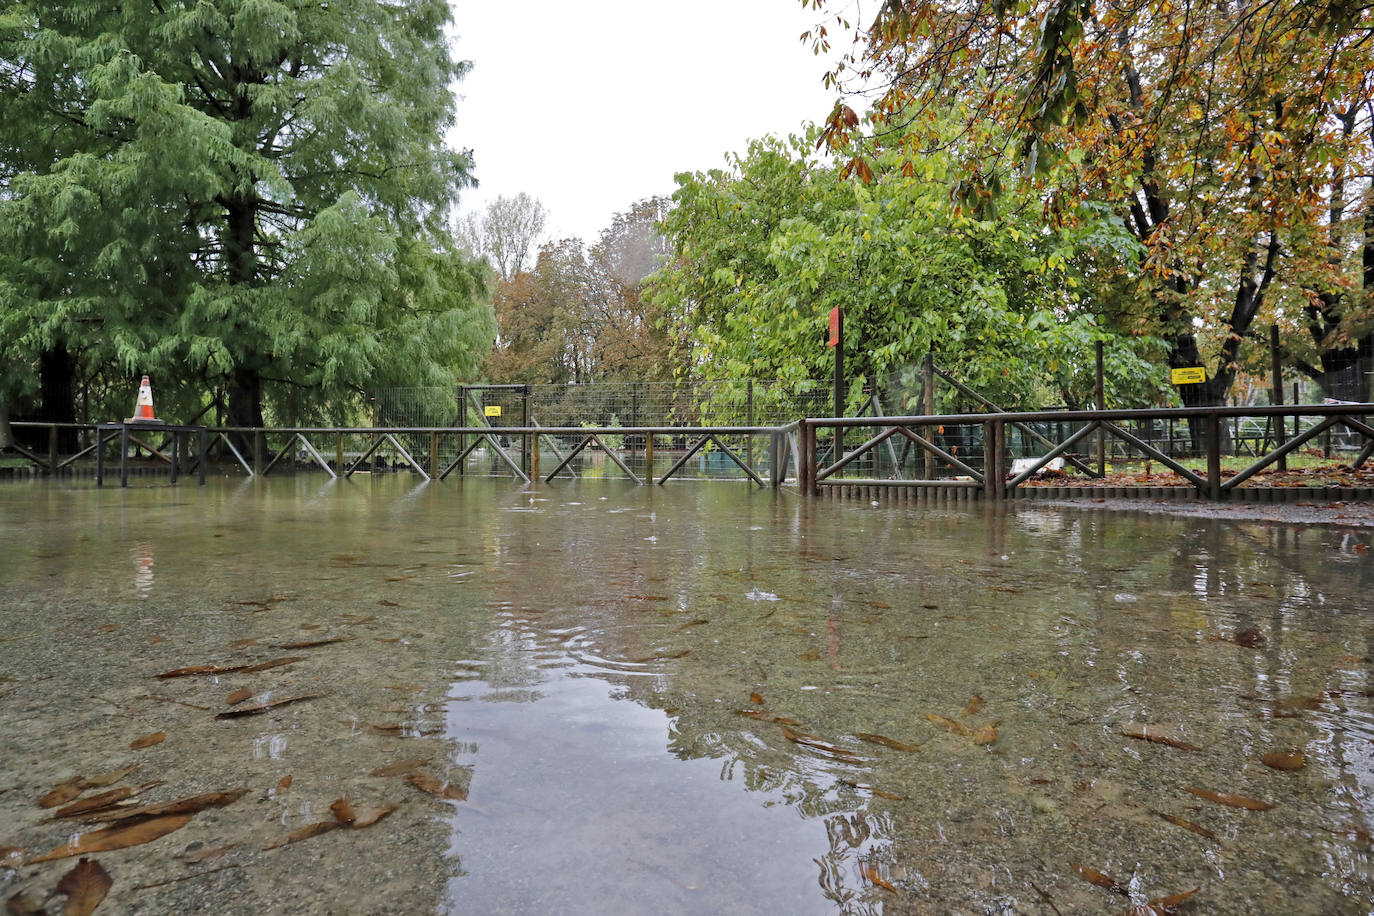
57	397
1183	354
1345	372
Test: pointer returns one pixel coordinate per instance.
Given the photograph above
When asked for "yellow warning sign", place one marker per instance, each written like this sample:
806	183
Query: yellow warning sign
1189	376
494	410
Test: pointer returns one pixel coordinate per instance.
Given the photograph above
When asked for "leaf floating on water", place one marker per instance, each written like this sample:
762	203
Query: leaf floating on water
187	806
385	603
283	784
85	886
691	623
1187	825
304	833
389	729
1142	733
400	767
1095	877
887	742
447	790
61	793
312	643
985	734
1288	762
120	836
949	725
264	707
1230	800
148	740
820	746
875	877
756	698
238	696
973	706
107	779
811	656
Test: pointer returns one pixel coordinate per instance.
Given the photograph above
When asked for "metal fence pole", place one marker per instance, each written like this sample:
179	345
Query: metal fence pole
1213	427
1276	380
649	458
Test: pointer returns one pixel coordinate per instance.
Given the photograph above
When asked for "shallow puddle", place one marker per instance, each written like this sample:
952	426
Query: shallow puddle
595	698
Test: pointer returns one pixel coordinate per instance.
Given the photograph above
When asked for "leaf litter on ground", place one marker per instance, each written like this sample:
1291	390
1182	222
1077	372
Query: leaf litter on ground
85	886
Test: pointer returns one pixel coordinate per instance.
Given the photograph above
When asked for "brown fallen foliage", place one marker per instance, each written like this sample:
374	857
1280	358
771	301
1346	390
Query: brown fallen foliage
950	725
439	789
85	886
400	767
147	740
187	806
1230	800
887	742
1280	760
194	670
119	836
261	708
103	800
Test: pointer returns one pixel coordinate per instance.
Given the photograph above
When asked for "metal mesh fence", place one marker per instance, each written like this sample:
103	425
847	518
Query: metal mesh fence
734	403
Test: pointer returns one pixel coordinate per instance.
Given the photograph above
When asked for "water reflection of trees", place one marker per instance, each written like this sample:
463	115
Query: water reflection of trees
1143	611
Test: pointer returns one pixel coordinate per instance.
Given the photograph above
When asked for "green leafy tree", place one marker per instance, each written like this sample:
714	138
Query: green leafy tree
762	252
1235	140
247	195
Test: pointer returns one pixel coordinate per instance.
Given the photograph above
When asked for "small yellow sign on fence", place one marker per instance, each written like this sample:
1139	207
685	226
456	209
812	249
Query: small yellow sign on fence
1189	376
494	410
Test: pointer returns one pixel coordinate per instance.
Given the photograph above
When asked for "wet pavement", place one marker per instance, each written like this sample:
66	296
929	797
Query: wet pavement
598	698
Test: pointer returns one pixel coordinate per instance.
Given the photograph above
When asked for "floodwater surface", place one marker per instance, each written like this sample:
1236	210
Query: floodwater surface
592	698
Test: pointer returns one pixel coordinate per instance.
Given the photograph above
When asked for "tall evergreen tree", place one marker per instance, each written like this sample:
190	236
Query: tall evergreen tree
252	193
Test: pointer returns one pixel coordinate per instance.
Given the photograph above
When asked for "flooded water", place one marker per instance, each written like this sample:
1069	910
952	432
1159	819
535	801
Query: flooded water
692	699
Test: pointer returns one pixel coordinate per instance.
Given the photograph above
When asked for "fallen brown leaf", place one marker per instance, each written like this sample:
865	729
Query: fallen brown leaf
887	742
447	790
107	779
228	669
304	833
1187	825
205	855
948	724
1279	760
185	806
117	837
1095	877
875	877
264	707
147	740
985	734
366	817
61	793
85	886
973	706
103	800
820	746
238	696
756	698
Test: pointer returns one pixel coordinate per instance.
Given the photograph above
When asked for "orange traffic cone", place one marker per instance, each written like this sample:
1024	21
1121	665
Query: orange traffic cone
143	409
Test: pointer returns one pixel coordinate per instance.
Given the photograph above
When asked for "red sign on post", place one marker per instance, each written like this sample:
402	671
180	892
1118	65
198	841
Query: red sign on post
835	326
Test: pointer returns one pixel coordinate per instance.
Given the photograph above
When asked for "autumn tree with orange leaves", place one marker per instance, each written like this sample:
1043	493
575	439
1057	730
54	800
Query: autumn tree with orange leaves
1233	137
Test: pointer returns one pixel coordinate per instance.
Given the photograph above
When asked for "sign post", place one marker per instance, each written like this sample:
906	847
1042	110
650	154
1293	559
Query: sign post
837	342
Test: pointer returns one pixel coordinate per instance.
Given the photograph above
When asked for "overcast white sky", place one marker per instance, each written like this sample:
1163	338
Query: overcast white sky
591	105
